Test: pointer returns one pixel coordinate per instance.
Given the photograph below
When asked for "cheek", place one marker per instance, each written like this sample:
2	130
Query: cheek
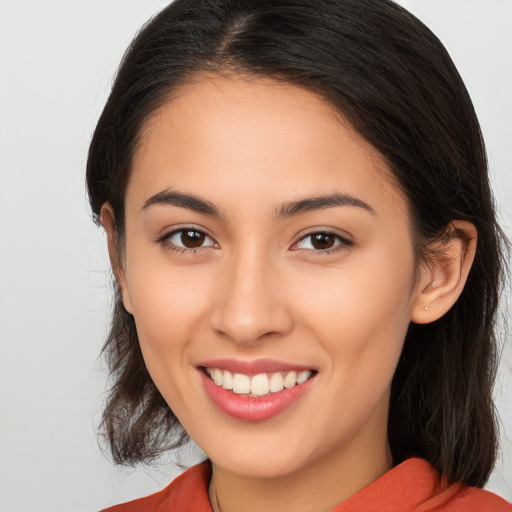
161	293
166	314
361	313
168	307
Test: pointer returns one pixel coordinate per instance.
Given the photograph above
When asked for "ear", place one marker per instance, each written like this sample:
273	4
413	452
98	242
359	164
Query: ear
107	220
441	281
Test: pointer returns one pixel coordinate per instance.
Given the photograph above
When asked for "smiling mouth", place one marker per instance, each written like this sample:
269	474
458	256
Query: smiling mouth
259	385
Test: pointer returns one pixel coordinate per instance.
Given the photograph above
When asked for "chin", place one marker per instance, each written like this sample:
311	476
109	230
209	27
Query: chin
261	456
258	467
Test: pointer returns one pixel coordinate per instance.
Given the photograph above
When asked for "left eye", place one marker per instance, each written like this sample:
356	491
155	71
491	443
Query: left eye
321	241
189	239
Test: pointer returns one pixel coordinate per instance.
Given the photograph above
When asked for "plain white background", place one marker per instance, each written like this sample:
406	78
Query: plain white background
57	59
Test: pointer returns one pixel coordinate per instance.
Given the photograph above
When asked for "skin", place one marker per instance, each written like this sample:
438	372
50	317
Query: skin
258	288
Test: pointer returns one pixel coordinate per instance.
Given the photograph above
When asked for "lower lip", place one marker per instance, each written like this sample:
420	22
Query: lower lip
243	407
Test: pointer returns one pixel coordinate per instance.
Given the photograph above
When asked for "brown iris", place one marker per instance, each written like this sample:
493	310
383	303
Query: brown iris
192	239
322	241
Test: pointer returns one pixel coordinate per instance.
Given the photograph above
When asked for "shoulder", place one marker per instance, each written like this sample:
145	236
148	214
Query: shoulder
444	496
415	486
189	491
461	498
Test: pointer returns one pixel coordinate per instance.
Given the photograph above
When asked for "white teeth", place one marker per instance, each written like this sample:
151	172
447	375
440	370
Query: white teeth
227	380
217	376
276	383
290	380
241	384
303	376
258	385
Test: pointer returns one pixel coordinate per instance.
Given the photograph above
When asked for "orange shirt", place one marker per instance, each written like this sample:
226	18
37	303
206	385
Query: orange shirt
413	486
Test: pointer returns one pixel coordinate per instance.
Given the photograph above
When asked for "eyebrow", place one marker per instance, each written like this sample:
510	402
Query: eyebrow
290	209
188	201
310	204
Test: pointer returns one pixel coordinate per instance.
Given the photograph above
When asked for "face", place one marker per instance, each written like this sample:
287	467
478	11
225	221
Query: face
267	250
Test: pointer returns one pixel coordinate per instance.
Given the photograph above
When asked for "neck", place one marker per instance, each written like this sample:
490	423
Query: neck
321	486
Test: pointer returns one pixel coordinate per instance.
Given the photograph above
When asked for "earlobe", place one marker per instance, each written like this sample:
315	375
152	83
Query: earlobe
443	279
107	220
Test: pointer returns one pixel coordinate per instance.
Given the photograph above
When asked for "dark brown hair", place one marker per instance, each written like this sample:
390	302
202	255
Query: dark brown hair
395	82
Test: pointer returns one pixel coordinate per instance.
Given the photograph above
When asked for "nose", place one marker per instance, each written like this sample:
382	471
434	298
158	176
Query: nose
250	301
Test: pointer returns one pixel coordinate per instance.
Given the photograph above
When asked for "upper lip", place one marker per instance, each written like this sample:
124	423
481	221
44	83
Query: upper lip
253	367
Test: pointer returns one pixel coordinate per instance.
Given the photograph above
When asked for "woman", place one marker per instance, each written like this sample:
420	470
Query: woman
306	257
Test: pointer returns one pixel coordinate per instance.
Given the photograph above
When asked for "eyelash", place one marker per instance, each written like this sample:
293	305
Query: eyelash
343	243
165	241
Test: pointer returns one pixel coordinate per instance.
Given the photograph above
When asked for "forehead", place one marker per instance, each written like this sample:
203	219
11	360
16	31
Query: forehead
241	105
246	133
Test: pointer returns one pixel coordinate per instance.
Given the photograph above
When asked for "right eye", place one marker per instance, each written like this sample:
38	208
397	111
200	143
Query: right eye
322	242
187	239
